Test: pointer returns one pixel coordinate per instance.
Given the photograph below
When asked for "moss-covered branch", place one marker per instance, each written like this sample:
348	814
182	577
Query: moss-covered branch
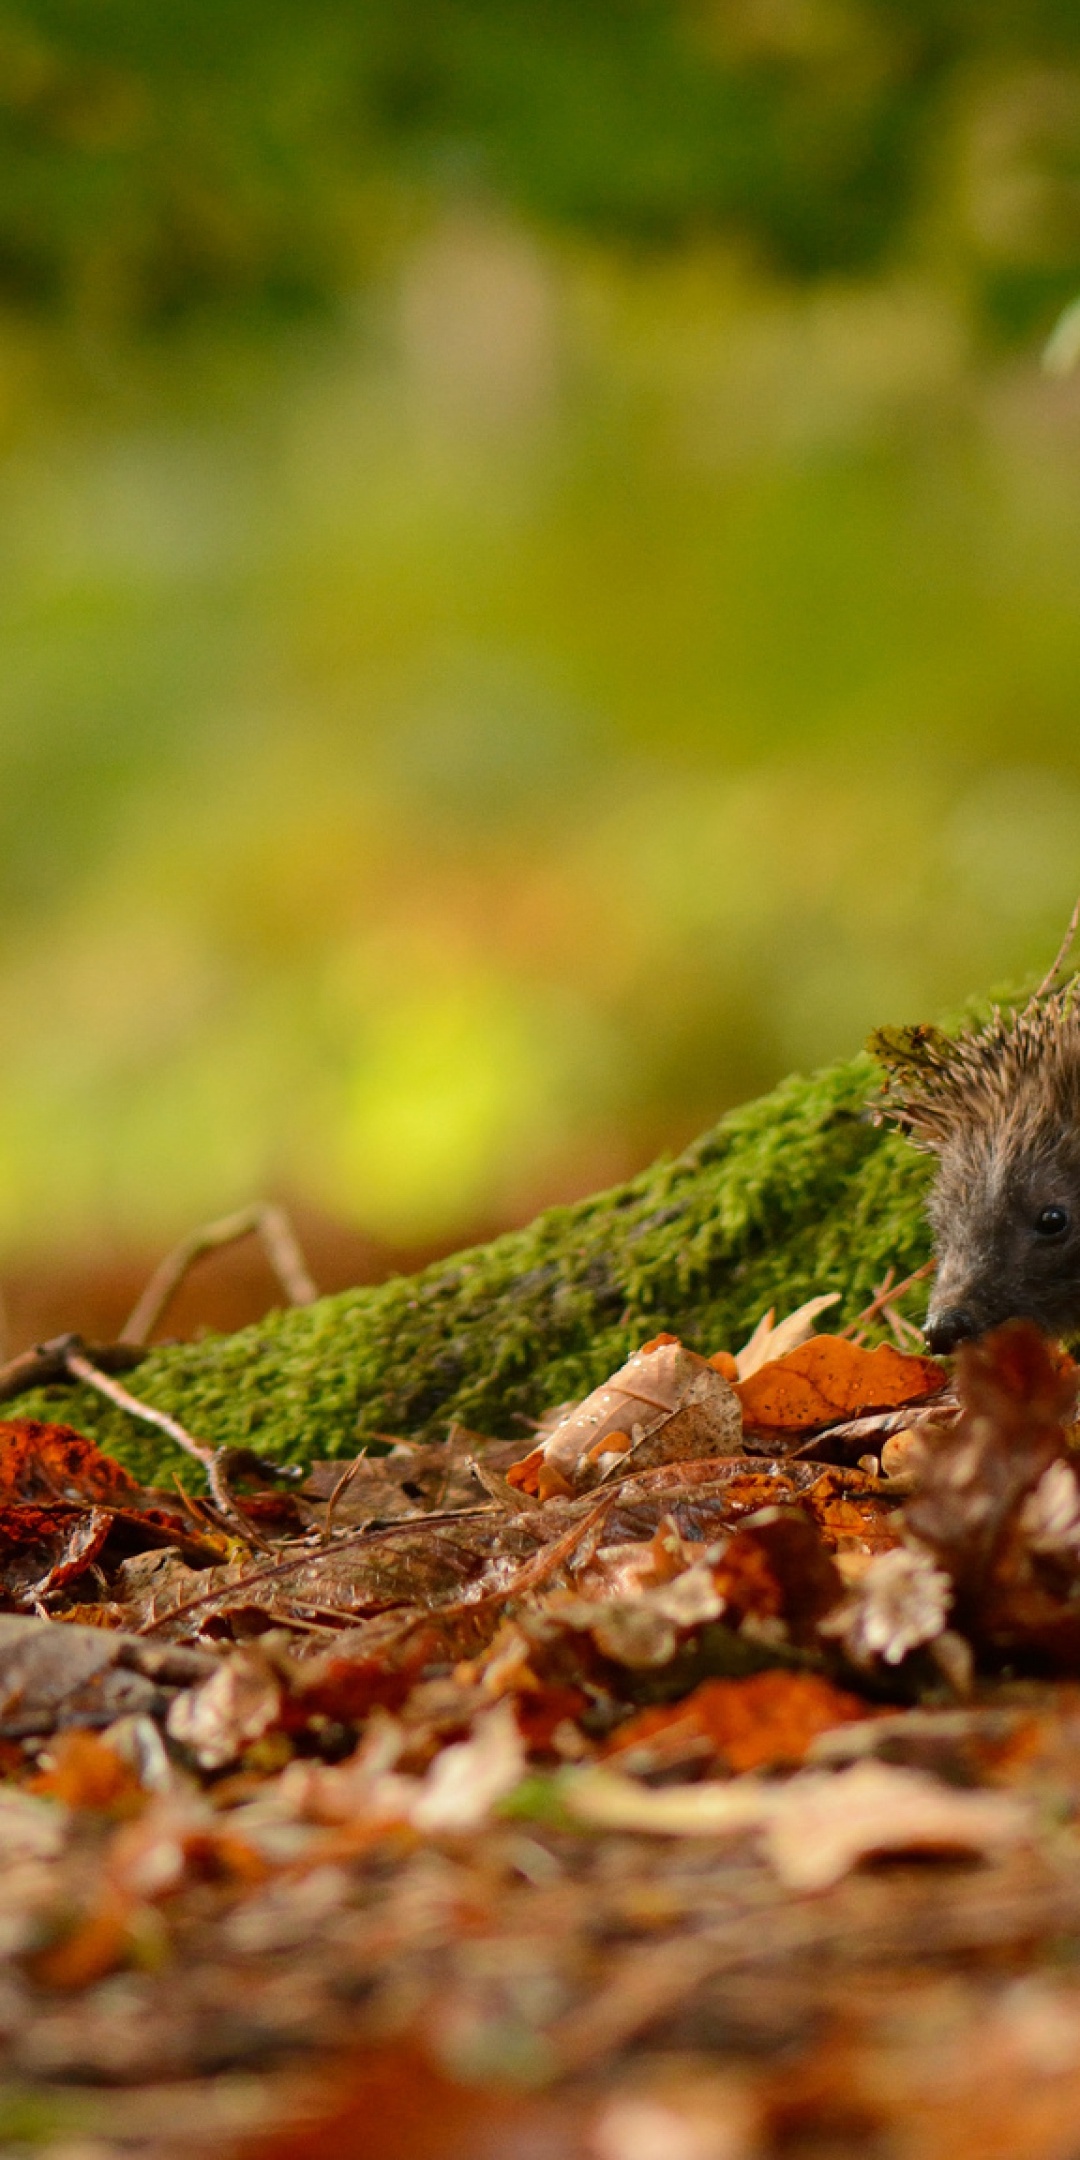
794	1194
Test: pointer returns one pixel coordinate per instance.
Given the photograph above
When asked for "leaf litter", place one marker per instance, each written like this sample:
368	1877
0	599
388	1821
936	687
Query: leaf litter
678	1786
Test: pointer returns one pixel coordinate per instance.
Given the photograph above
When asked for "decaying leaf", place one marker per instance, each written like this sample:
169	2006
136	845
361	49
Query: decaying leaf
900	1602
1050	1516
825	1824
466	1781
353	1792
776	1572
222	1716
1017	1399
53	1462
665	1404
56	1676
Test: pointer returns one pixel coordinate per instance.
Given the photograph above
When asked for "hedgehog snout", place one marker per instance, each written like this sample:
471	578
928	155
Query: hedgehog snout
944	1330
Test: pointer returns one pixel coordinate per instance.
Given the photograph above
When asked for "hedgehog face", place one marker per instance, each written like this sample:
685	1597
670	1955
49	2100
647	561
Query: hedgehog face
1006	1216
1000	1109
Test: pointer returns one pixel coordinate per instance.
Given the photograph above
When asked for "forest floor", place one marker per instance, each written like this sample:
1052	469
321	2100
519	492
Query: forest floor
697	1775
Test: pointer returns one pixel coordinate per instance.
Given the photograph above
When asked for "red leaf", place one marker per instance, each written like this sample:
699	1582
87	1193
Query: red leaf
53	1462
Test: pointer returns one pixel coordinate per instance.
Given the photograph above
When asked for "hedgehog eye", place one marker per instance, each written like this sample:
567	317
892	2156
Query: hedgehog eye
1053	1222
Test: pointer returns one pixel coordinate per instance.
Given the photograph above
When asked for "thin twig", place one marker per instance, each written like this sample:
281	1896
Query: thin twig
230	1507
342	1486
1062	953
280	1244
887	1295
79	1367
905	1330
46	1363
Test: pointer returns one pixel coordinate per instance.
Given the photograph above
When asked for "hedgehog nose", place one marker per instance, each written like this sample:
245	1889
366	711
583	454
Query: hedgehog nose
943	1330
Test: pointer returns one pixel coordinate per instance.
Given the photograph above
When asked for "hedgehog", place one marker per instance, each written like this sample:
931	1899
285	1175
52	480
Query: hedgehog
1000	1109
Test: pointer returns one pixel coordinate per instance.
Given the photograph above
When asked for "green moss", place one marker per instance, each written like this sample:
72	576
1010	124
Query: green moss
792	1195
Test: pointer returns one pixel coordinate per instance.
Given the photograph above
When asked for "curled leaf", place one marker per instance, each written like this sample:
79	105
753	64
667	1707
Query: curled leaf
665	1404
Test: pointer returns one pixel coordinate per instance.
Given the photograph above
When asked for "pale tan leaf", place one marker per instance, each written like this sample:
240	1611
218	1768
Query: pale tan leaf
771	1340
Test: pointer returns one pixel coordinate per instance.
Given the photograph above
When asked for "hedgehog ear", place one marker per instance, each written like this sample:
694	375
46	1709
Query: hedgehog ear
910	1053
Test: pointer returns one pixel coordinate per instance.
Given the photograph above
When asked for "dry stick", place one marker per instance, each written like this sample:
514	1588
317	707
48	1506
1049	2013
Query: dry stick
46	1363
887	1296
80	1368
904	1330
280	1244
1062	952
342	1486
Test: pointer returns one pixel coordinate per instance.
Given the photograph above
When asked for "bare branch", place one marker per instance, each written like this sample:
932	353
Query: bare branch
269	1224
46	1363
80	1368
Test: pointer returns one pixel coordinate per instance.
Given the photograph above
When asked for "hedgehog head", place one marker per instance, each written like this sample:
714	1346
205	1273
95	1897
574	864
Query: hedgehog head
1000	1110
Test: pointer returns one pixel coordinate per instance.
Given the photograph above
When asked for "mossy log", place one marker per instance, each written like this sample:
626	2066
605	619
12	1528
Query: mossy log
795	1194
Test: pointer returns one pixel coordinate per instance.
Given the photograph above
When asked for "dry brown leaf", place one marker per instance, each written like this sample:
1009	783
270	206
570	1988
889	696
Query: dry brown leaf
223	1715
663	1405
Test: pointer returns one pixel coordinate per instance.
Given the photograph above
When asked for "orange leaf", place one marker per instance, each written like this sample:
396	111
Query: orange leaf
524	1476
771	1717
723	1363
97	1945
85	1773
830	1378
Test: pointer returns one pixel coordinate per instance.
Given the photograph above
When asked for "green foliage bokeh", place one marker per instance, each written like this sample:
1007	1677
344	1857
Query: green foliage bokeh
537	579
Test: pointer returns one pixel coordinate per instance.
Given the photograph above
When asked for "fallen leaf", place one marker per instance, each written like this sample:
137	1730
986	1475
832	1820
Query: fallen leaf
900	1602
830	1378
825	1825
817	1827
99	1941
995	1504
52	1676
46	1548
776	1568
53	1462
466	1781
223	1715
771	1340
84	1772
770	1718
397	2106
664	1404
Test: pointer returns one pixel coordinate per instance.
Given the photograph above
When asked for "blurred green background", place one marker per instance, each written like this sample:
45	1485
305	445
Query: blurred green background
538	582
